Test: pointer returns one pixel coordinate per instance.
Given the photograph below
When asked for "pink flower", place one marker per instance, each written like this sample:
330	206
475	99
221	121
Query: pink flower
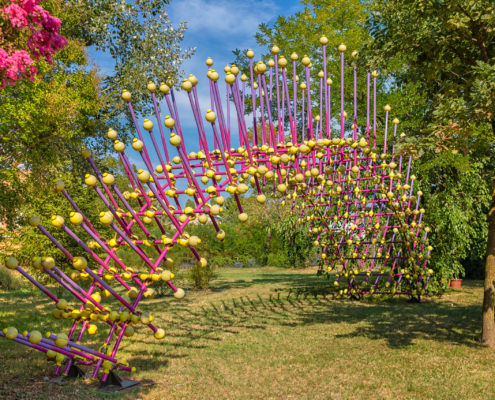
15	66
43	41
16	15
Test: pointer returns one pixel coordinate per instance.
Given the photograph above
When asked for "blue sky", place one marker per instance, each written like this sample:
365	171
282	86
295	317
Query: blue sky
215	29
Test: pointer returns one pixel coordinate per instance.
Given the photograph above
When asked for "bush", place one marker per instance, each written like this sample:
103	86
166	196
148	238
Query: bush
201	277
9	280
277	260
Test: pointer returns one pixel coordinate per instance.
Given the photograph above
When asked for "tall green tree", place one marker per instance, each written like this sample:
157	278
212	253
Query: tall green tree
447	49
340	22
44	122
139	37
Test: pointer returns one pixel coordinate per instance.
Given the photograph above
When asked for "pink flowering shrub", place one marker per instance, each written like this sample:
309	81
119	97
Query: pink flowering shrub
23	19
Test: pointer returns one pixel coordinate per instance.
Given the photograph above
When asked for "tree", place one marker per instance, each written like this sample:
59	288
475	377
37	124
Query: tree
341	22
448	50
138	35
43	122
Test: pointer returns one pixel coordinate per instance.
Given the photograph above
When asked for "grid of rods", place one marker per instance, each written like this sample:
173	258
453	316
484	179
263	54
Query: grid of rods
353	196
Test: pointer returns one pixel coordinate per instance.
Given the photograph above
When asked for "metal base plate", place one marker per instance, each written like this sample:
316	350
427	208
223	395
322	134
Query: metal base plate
74	373
114	383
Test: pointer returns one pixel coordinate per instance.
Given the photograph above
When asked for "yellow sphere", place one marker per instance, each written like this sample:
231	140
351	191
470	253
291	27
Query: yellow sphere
62	340
166	276
194	241
112	134
201	263
137	144
129	331
151	87
59	185
187	85
76	218
261	68
143	176
90	180
11	263
79	263
108	179
242	217
175	140
215	209
159	334
211	116
164	88
62	304
92	329
119	146
47	262
35	337
10	332
34	220
230	78
126	95
86	153
57	221
220	235
106	218
51	354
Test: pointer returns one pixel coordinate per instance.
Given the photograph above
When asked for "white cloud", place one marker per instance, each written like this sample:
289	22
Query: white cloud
221	17
215	28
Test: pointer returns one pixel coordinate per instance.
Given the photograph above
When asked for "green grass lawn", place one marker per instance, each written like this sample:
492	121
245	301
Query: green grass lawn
272	333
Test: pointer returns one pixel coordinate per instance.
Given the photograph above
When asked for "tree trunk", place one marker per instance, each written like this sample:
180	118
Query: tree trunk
267	247
488	332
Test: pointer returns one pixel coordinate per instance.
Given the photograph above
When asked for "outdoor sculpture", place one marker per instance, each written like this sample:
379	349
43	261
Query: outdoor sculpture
355	196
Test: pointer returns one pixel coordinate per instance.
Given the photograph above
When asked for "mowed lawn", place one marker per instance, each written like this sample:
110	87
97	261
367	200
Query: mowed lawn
272	333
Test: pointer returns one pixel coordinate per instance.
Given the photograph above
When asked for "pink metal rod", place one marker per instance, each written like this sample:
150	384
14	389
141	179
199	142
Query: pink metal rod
359	204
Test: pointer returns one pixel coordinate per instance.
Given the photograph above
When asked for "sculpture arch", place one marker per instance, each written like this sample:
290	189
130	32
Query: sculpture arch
356	197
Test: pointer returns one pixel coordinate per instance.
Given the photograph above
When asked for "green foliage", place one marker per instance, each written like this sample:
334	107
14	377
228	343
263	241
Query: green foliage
444	68
296	242
9	280
201	277
42	126
43	123
138	35
341	22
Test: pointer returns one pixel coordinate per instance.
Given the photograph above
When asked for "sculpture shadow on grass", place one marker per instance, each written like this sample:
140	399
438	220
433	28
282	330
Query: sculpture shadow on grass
295	302
397	322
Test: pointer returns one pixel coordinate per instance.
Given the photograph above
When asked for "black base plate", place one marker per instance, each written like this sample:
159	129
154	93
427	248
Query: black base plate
114	383
74	373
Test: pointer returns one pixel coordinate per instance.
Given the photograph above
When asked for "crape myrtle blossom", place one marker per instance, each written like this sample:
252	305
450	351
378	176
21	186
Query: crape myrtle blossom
22	19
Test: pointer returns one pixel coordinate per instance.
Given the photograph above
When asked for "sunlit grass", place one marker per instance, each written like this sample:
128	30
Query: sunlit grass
272	333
